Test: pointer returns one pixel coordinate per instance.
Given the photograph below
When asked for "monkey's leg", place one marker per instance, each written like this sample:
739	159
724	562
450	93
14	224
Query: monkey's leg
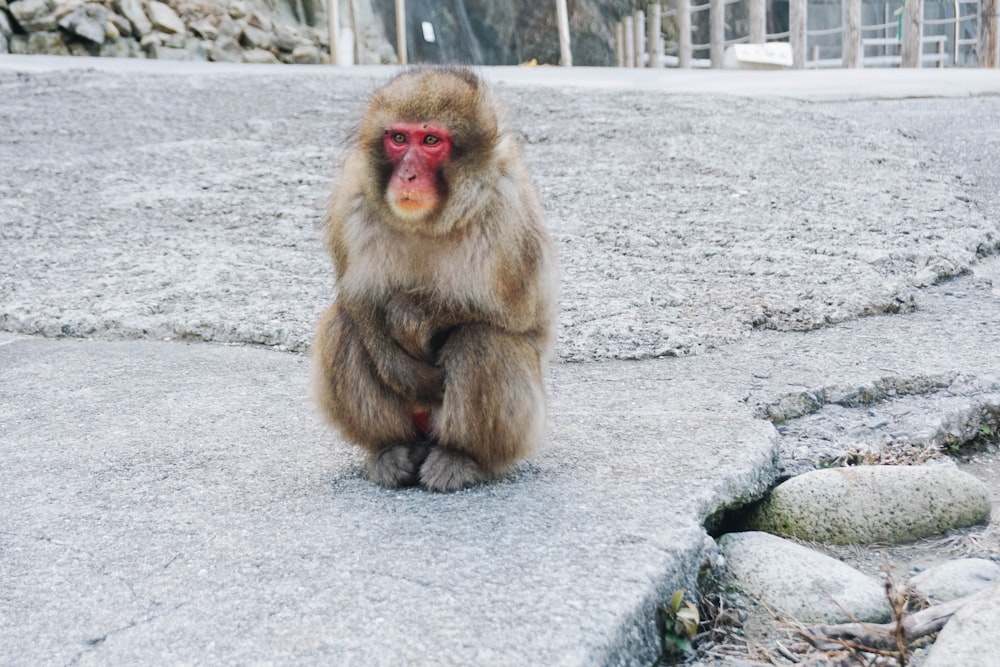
356	401
493	411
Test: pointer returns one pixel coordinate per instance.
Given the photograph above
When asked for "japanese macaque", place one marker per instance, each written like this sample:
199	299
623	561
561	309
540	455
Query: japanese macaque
432	356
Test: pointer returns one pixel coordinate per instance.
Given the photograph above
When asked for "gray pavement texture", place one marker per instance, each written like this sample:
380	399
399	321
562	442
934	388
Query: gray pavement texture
726	240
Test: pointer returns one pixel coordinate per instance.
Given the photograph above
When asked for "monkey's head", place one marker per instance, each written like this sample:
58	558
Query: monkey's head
430	135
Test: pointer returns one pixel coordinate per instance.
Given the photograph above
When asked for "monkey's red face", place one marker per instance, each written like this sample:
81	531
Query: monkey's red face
417	152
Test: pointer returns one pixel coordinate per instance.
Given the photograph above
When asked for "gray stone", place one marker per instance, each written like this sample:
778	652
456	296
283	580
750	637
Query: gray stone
237	9
804	584
111	31
164	18
254	38
286	37
136	15
227	27
164	52
260	57
126	47
204	29
82	49
305	54
4	44
260	20
969	638
47	43
866	504
151	39
957	578
6	30
177	40
88	22
121	24
34	15
226	49
198	48
18	44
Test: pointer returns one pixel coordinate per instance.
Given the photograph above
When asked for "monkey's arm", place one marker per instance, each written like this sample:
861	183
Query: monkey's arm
421	323
412	377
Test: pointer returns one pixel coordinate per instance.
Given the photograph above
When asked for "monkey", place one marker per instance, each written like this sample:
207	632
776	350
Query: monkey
432	355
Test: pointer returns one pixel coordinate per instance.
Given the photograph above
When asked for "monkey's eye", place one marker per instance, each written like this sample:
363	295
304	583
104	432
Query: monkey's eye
431	140
398	138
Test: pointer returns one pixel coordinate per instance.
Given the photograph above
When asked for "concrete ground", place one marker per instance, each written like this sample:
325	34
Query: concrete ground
726	238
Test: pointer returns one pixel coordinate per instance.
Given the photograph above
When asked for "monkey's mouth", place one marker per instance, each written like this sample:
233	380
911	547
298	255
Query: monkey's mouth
409	205
413	203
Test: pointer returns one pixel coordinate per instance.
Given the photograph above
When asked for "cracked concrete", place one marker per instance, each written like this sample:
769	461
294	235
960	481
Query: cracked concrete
190	489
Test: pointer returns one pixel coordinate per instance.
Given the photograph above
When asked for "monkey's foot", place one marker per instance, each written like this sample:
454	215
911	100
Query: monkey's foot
399	465
446	470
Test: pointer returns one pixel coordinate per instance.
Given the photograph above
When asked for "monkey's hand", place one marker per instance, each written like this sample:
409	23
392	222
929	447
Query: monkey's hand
418	324
414	378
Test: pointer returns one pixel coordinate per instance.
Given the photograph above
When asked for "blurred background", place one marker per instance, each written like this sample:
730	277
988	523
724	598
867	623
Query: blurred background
624	33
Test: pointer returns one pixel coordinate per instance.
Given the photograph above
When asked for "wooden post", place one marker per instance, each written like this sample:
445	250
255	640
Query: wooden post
356	56
401	31
912	47
717	32
620	44
639	35
797	32
758	22
684	34
988	51
629	43
565	52
654	38
333	24
852	55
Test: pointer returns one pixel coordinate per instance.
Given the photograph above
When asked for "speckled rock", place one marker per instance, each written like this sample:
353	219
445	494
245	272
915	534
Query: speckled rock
867	504
804	584
164	18
47	42
260	56
34	15
88	22
969	638
133	11
306	54
957	578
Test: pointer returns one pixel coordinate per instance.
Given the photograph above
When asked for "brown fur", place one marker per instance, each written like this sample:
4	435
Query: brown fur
454	312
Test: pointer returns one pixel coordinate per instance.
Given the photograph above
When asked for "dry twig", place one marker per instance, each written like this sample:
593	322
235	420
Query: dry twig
882	637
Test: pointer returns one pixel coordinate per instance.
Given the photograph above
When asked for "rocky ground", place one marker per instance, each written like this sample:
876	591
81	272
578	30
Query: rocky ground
828	266
954	422
738	627
669	247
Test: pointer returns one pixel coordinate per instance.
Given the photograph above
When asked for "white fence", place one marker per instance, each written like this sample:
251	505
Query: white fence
916	33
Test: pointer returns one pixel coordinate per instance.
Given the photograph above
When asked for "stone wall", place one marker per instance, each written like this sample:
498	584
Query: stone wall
251	31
